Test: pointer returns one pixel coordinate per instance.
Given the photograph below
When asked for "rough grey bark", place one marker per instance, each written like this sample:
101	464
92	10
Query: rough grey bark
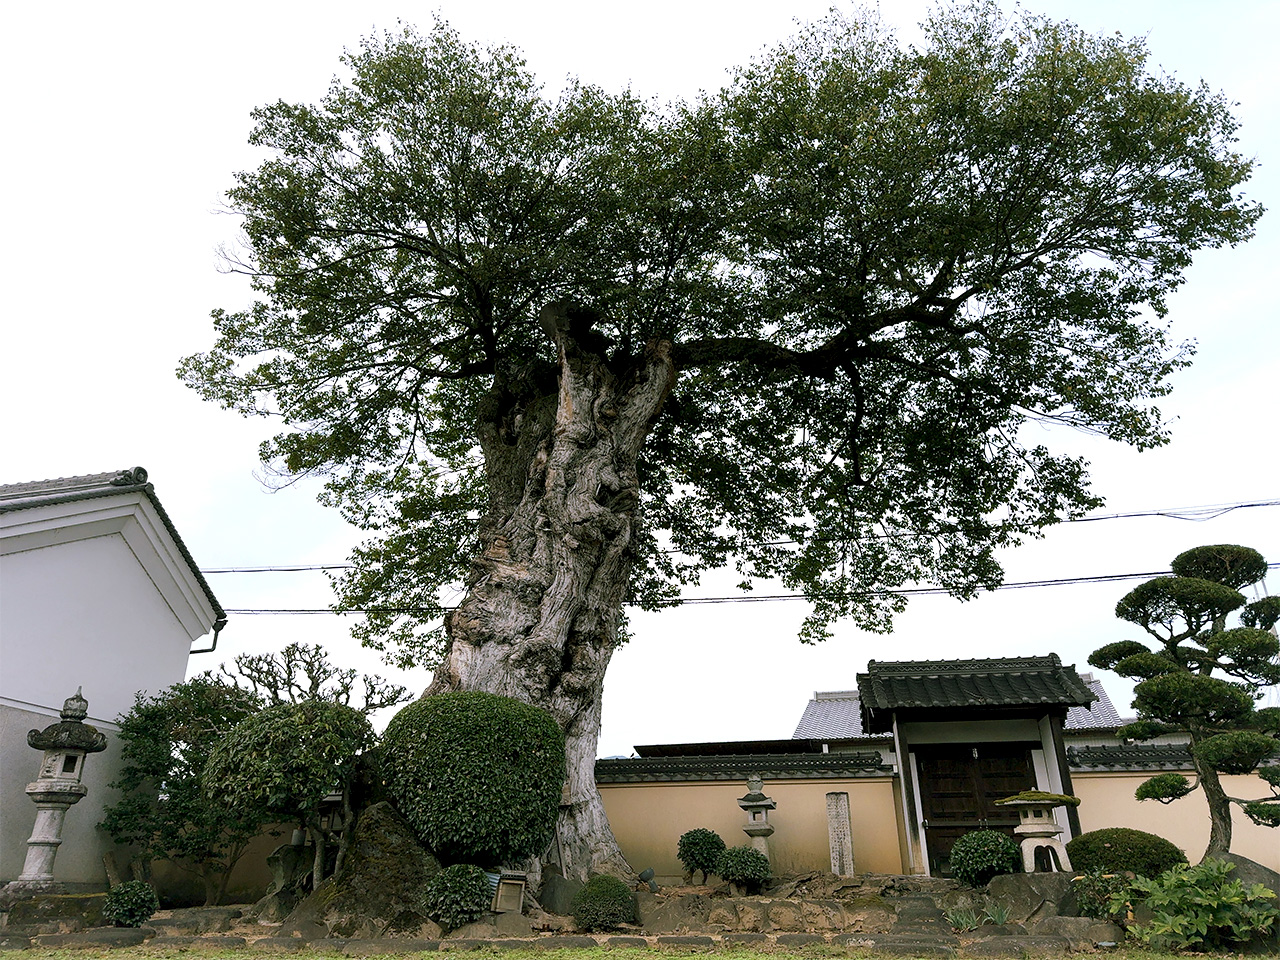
540	619
1218	802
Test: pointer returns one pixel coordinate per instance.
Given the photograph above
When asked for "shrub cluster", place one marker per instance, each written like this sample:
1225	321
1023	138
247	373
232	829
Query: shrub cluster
1099	895
130	904
604	902
478	776
457	895
1203	908
982	854
700	849
1123	850
745	866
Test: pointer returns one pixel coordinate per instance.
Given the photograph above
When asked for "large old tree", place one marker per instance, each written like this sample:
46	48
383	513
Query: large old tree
566	352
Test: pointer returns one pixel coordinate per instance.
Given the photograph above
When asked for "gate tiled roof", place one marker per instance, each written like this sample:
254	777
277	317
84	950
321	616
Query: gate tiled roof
940	684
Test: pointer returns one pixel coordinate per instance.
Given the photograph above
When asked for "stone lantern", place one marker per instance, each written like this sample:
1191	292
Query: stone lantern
65	745
757	806
1038	830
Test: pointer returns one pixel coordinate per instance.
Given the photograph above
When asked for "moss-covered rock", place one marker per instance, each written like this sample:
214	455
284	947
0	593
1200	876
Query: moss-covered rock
381	880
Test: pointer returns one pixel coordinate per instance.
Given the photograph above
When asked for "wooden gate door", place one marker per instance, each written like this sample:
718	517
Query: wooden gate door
959	784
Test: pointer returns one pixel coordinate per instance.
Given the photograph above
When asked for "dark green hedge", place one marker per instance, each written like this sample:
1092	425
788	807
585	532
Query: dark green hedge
1121	849
477	775
604	903
982	854
457	895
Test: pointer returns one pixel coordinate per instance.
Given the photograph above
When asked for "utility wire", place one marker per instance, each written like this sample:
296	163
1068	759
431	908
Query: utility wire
1197	514
766	598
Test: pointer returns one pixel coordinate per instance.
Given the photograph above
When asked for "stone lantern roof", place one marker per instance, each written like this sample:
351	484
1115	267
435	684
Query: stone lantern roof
71	732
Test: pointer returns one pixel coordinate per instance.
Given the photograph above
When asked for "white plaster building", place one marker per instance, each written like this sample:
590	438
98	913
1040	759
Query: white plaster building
98	591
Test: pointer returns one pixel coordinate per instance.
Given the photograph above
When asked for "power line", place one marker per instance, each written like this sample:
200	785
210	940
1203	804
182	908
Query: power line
1197	514
763	598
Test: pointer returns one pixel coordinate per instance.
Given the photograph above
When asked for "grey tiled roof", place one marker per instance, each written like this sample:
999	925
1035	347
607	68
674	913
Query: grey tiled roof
838	714
1135	756
1100	713
788	766
40	493
1000	682
830	716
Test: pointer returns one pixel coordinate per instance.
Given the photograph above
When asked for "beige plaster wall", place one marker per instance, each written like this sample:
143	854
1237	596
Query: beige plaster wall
648	819
1106	800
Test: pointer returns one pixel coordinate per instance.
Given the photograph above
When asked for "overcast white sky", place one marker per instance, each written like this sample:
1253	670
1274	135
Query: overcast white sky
125	121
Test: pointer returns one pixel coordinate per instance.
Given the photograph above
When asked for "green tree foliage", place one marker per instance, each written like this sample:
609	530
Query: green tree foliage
457	895
745	866
982	854
700	849
604	903
897	255
285	760
1203	908
571	351
478	776
166	742
1123	850
1186	615
130	904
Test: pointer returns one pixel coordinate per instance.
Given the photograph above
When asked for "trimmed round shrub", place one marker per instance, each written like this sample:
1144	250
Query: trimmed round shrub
700	849
457	895
982	854
1121	850
130	904
604	903
745	866
478	776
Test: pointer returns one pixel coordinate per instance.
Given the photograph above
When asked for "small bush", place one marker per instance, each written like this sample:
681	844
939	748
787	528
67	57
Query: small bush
478	776
604	903
745	866
1203	908
963	919
1097	892
130	904
1121	850
457	895
700	849
982	854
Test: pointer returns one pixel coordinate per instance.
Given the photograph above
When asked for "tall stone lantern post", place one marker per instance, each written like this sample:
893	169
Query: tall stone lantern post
65	745
757	807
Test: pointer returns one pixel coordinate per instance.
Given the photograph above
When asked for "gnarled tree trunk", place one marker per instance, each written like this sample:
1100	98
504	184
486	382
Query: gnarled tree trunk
540	619
1219	805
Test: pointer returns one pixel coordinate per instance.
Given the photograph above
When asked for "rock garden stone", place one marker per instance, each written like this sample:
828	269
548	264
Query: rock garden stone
1031	896
379	884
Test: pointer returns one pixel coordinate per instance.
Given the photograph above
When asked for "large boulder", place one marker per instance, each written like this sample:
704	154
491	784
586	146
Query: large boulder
378	890
1033	896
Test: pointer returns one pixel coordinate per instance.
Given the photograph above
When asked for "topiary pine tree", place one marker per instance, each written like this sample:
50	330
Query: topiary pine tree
1187	615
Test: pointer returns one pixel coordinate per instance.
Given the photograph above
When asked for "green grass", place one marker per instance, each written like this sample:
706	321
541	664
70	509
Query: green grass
812	952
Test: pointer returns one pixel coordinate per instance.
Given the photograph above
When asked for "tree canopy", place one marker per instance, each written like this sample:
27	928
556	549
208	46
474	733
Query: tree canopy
874	264
161	810
569	351
1182	688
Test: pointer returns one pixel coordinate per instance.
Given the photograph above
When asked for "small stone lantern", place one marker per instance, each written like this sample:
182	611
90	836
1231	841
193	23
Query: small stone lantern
757	806
65	745
1038	829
